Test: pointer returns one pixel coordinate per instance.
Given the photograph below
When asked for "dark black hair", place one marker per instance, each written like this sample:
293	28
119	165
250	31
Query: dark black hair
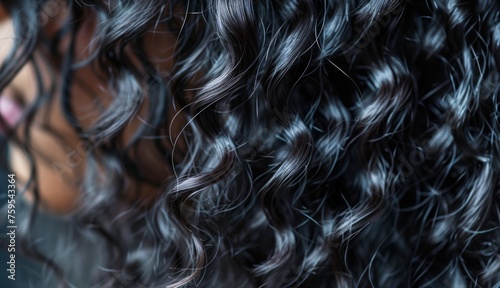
329	143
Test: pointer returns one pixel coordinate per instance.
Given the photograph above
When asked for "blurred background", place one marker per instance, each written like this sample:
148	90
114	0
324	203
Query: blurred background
27	272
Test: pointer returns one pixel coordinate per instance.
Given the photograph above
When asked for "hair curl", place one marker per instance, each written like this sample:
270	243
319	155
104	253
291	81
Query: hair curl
342	143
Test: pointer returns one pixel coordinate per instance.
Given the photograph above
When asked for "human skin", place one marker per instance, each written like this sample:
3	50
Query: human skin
55	143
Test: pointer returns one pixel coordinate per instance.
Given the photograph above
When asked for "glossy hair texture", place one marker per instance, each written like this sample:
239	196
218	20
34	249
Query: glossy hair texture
329	143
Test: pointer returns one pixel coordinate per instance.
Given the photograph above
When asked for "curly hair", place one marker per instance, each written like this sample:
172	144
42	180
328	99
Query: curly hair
331	143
